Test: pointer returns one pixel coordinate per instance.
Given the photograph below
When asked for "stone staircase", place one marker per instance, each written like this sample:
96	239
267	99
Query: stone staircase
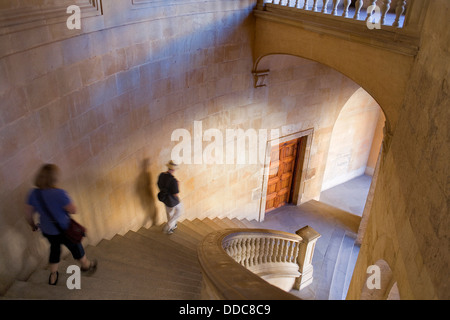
146	264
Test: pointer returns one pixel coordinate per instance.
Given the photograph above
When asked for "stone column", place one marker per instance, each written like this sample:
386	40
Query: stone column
305	256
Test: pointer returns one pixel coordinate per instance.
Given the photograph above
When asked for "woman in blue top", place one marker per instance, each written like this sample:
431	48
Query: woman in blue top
60	206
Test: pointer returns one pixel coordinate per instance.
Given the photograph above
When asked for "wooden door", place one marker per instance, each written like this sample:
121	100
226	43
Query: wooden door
281	174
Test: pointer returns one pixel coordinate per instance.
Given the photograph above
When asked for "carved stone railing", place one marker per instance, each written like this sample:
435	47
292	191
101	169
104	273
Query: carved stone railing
255	263
392	24
388	13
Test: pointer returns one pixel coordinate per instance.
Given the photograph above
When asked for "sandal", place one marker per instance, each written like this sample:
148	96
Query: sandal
92	267
50	279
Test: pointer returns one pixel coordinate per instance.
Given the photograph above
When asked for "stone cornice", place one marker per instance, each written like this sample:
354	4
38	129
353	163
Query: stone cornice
16	20
388	38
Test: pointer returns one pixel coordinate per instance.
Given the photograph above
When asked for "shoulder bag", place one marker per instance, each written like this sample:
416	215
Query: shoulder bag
74	233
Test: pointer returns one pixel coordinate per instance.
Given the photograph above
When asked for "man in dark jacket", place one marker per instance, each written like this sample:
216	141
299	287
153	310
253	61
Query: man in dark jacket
168	194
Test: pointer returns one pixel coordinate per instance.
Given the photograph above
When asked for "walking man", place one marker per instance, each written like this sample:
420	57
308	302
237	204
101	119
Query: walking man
168	194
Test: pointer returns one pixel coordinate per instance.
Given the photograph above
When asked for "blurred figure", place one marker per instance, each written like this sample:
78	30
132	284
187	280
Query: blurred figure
168	194
59	204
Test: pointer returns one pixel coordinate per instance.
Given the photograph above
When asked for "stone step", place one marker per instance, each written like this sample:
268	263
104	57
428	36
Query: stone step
154	266
191	234
202	227
340	270
229	223
128	280
325	274
239	223
346	219
188	245
210	223
157	257
126	272
91	290
193	230
28	290
350	268
221	223
158	244
249	224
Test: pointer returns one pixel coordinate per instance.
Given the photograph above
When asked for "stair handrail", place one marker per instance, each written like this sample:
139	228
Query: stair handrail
227	257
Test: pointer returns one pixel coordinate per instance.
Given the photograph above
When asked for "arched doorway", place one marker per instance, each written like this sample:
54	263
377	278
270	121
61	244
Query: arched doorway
353	154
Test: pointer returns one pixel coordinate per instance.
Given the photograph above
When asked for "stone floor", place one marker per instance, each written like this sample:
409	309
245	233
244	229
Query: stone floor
350	196
337	221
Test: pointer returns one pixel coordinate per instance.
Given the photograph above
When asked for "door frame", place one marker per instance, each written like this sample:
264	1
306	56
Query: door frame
302	162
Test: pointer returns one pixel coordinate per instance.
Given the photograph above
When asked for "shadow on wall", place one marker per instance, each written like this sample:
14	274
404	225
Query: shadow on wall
144	191
146	89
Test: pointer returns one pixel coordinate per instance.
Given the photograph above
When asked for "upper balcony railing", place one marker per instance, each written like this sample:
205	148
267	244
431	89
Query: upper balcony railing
386	12
393	24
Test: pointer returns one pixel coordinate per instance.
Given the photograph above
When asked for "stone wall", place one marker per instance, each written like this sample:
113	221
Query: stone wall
103	102
409	222
351	141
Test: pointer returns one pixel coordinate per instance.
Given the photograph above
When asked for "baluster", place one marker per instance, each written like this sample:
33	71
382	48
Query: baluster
289	252
231	248
258	251
246	252
325	5
371	13
283	251
270	253
346	6
286	251
242	260
280	256
240	248
358	6
316	2
277	249
386	7
335	6
399	11
296	4
296	251
249	251
266	250
252	251
306	5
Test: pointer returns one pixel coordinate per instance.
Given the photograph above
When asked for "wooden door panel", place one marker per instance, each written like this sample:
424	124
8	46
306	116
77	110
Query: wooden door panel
281	173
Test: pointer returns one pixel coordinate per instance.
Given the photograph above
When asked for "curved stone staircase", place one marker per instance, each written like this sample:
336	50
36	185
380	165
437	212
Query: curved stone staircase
146	264
149	264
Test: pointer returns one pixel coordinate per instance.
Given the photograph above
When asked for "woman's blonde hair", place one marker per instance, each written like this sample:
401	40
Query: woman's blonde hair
47	176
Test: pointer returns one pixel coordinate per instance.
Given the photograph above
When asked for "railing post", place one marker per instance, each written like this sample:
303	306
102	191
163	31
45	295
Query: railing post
305	256
260	5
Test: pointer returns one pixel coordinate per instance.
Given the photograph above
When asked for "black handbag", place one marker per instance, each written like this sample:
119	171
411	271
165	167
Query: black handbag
74	233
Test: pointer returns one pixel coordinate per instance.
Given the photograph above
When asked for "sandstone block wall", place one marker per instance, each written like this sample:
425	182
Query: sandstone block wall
409	224
102	103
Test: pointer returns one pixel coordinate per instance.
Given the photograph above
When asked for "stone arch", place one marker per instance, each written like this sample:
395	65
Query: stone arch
260	66
359	122
388	289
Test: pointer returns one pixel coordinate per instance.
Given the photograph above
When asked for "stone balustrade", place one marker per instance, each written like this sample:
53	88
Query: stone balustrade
390	12
256	263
